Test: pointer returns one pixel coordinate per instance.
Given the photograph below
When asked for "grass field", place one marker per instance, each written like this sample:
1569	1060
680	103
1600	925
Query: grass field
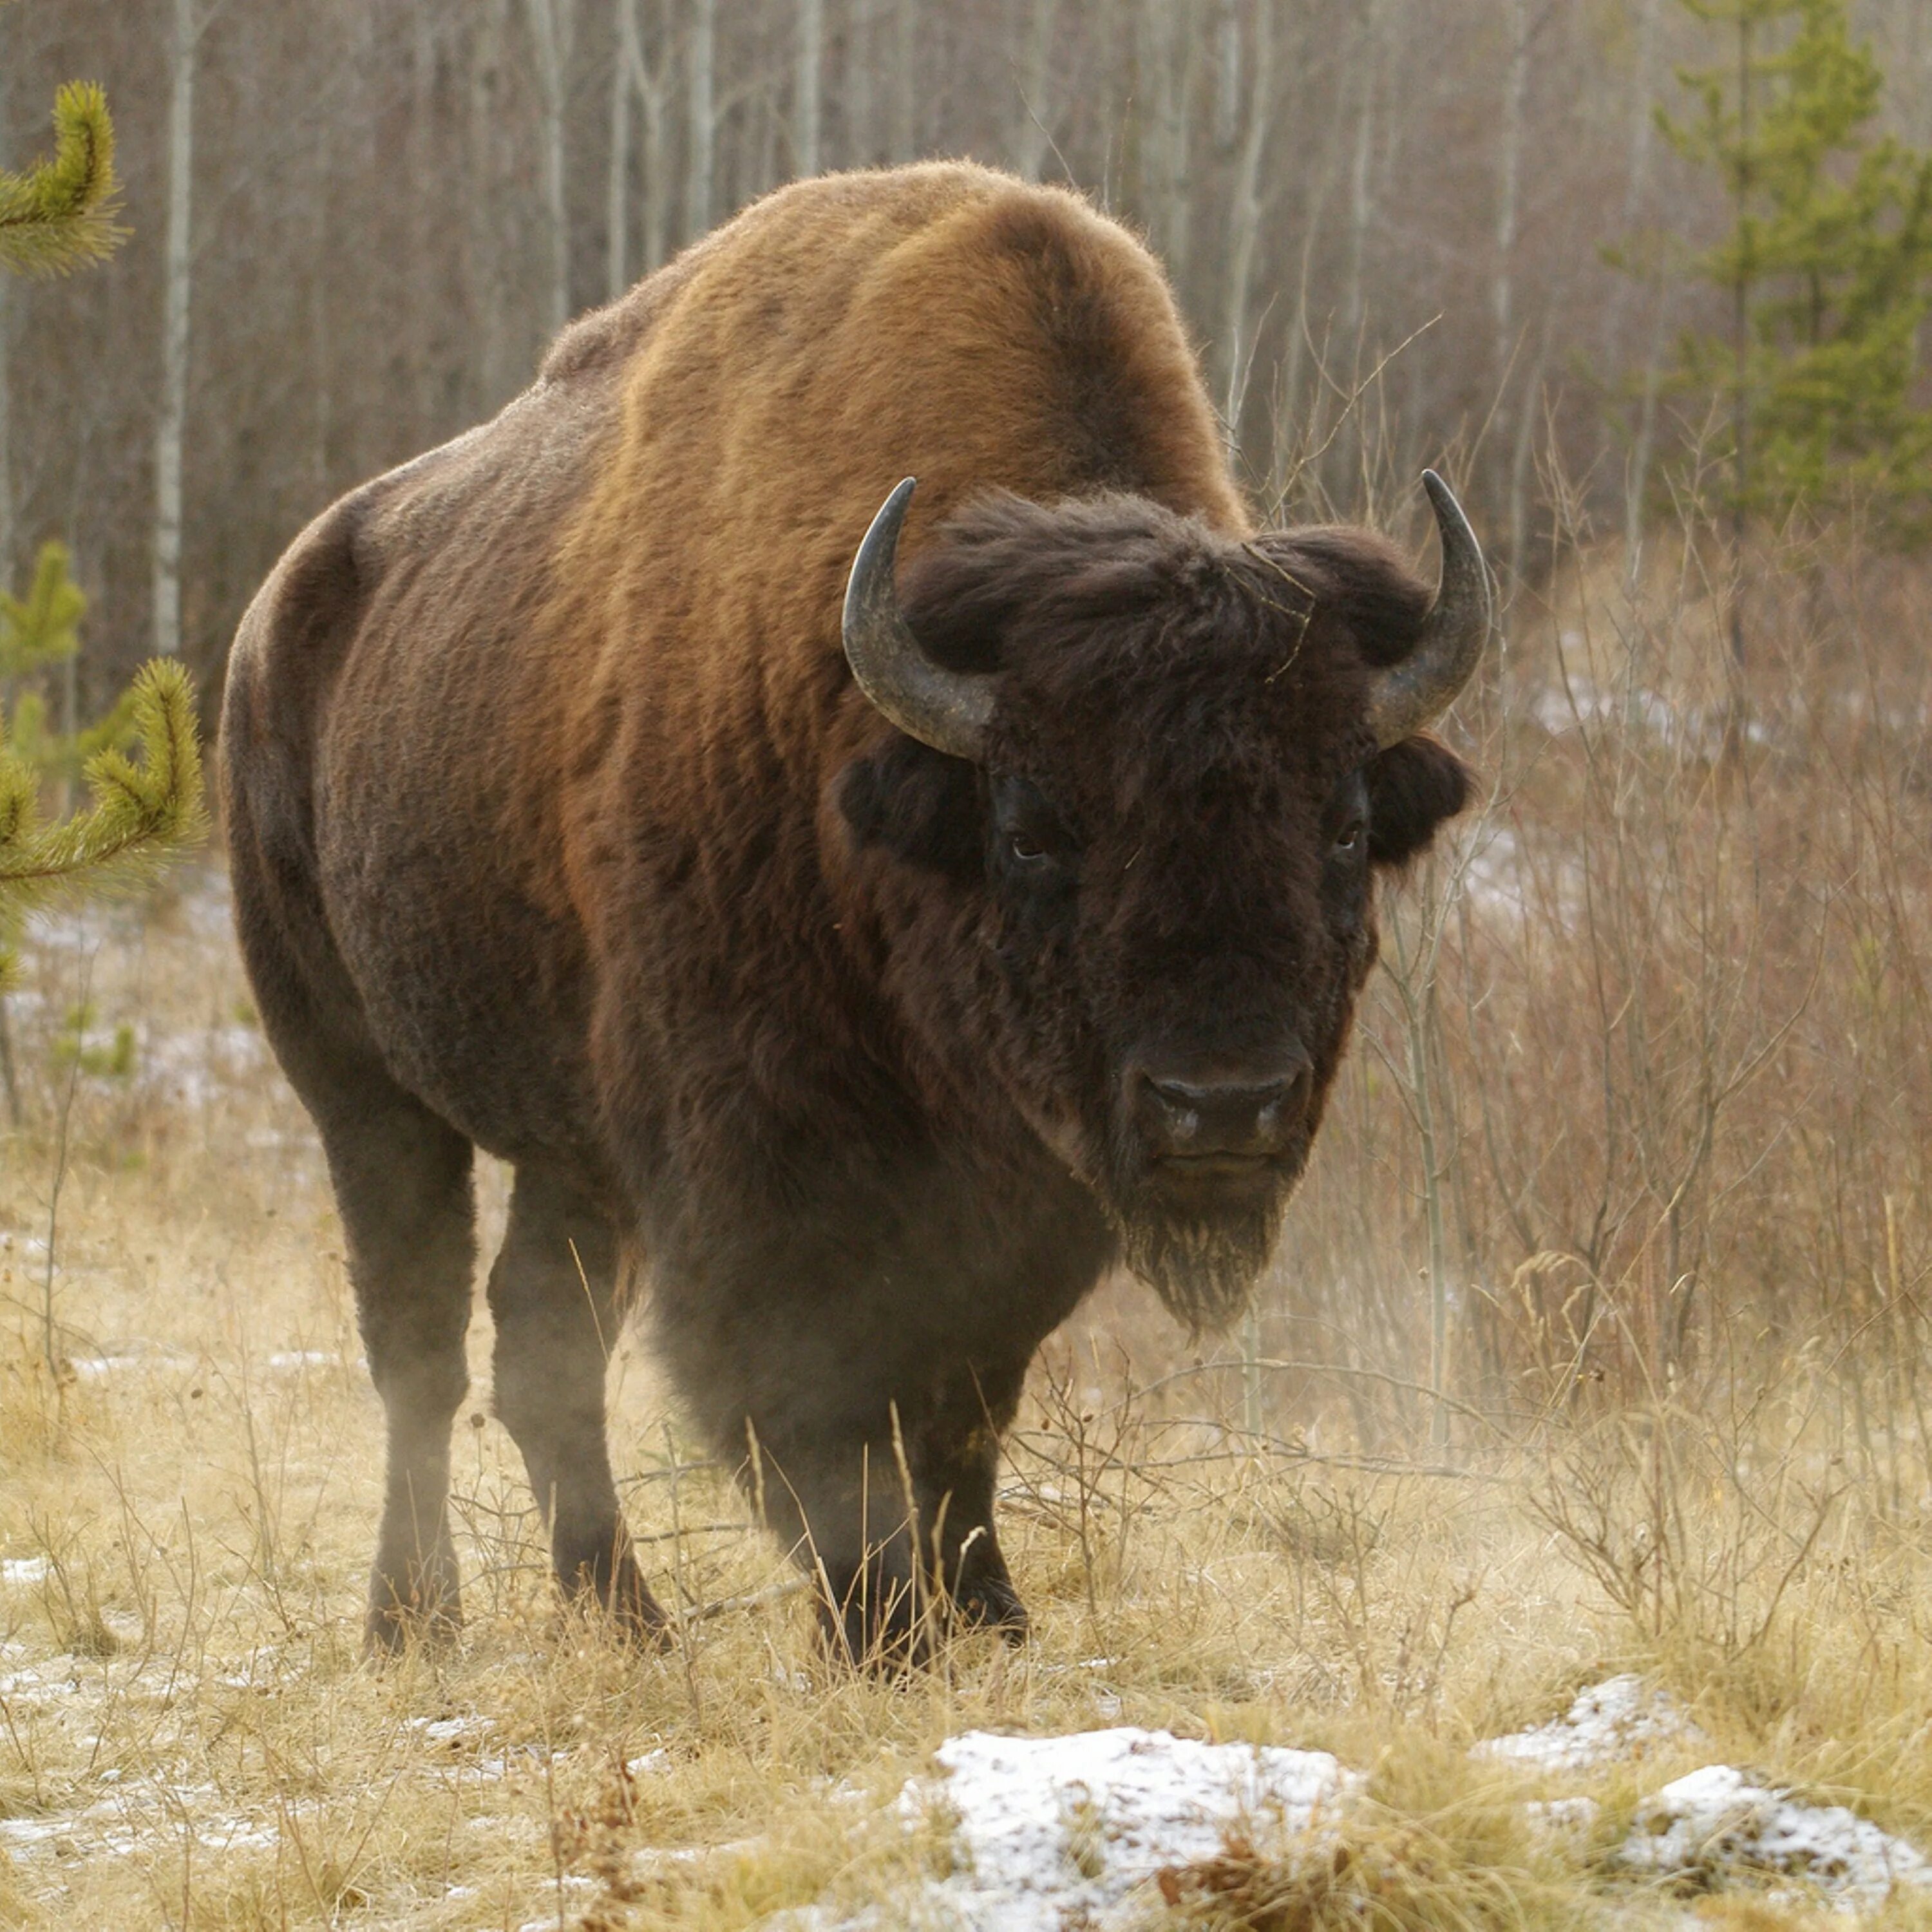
1638	1111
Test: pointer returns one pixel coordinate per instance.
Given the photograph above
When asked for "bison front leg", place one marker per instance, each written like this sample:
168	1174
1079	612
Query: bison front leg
553	1293
896	1524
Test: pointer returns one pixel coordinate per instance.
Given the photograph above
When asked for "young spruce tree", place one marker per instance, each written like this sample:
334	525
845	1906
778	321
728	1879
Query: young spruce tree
54	216
1826	268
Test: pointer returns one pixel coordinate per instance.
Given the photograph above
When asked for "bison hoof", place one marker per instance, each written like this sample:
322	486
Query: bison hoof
395	1624
621	1593
994	1605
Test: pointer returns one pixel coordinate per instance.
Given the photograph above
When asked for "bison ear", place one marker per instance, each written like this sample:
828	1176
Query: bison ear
920	804
1413	786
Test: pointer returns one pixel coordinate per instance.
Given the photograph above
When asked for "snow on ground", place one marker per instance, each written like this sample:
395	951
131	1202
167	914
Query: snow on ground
1056	1831
1716	1825
1620	1717
1051	1825
1073	1831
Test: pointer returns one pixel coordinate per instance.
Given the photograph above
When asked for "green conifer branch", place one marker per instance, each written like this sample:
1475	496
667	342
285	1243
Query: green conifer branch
144	808
60	212
43	627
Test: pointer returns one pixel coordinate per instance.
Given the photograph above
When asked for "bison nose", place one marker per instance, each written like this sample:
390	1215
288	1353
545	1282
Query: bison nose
1246	1114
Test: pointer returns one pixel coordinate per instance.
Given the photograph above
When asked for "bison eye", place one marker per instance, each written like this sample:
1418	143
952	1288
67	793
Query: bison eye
1028	851
1350	838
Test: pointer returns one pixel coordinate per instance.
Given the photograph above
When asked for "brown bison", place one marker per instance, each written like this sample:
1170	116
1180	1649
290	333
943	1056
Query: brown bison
876	992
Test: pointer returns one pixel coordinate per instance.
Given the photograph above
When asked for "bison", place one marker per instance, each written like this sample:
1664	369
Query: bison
863	928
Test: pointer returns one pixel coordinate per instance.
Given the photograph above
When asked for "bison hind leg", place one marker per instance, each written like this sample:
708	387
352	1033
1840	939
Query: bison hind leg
554	1295
402	1182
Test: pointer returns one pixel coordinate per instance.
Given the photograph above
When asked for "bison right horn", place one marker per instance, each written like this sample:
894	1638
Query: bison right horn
947	709
1414	693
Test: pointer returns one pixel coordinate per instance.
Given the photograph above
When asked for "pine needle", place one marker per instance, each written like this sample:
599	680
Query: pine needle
60	213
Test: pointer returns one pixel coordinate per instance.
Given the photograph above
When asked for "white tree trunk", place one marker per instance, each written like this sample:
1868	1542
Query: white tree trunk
1033	120
1502	278
170	421
856	86
1244	213
1361	198
905	82
1509	186
1168	47
698	182
551	25
627	58
1227	72
651	86
805	112
485	249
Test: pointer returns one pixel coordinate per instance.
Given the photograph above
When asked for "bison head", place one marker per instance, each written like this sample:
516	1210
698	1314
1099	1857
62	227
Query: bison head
1154	770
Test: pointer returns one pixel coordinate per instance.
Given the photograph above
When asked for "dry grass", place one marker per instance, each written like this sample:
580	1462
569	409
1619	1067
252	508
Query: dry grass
1673	1050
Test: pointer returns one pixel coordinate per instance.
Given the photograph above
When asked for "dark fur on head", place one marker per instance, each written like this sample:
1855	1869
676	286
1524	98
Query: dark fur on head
1178	752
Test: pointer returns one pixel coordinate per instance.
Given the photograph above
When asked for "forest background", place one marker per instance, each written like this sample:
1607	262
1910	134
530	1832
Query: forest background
353	226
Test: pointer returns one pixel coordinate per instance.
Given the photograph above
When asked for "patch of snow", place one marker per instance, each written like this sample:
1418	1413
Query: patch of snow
1562	1817
289	1359
195	1069
451	1730
29	1834
26	1569
1620	1717
135	1354
1060	1830
1715	1824
1639	712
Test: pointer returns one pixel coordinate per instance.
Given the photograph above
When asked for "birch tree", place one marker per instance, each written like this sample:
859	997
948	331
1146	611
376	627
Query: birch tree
171	419
553	29
702	118
1245	212
806	105
1509	188
1032	138
627	57
905	81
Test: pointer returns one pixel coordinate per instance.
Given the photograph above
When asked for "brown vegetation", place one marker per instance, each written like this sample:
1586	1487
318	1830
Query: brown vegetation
1671	1047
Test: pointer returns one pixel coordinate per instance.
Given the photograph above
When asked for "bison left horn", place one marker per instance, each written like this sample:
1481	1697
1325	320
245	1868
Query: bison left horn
1414	693
947	709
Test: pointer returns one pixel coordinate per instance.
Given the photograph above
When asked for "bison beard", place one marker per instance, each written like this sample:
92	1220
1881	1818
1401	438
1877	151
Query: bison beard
763	947
1203	1266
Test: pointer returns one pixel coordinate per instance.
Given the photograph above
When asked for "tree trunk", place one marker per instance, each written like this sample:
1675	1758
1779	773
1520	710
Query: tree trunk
551	22
1509	173
805	115
856	89
1361	201
1228	72
1033	123
1639	149
1168	48
1244	218
650	85
702	156
905	82
6	415
484	250
170	421
627	57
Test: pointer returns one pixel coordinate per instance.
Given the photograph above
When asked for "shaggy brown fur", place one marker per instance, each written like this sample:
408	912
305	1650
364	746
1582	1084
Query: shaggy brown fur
559	828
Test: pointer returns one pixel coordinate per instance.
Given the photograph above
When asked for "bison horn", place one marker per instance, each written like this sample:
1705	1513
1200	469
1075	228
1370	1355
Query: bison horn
1414	693
947	709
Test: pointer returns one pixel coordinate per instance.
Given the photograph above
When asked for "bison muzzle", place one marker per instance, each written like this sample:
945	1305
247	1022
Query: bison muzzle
861	927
